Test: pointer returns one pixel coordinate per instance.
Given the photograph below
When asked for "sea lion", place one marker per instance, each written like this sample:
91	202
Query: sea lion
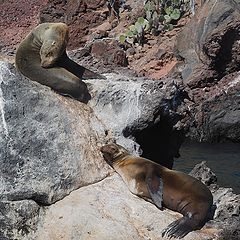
164	187
42	57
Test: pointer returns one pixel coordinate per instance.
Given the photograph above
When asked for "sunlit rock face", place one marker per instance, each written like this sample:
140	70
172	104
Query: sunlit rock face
49	143
210	68
50	147
107	210
213	49
126	103
141	114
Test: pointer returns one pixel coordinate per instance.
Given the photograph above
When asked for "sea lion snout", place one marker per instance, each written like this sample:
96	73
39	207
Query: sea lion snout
48	63
112	152
108	151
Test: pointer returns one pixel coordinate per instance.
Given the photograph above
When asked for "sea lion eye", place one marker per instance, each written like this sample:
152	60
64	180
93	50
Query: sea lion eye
49	54
53	43
113	148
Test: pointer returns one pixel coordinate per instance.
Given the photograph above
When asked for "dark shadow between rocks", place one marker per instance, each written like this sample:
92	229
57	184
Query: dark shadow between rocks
159	142
223	62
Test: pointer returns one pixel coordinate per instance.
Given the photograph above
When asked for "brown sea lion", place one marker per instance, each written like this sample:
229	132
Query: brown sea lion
164	187
42	57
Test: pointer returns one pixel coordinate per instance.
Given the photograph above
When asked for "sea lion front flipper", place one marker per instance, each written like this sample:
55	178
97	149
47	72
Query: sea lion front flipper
179	228
155	189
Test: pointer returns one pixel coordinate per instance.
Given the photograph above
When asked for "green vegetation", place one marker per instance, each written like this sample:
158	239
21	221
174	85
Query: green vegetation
160	16
136	32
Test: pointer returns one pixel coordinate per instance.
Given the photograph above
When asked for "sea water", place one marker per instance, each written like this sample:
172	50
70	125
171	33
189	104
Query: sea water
222	158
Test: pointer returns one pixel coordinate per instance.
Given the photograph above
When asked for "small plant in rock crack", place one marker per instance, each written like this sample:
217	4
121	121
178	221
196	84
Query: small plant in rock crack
136	32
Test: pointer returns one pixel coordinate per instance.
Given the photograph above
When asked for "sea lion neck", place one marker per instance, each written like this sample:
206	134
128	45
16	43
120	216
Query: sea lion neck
121	157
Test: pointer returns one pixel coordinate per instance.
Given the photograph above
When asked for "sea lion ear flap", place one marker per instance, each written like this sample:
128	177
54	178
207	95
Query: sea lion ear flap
155	189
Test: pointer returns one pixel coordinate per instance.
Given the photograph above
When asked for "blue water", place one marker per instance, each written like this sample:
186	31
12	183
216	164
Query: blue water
222	158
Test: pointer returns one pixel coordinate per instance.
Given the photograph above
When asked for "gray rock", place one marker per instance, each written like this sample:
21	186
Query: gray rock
226	204
107	210
18	219
202	172
212	51
218	116
50	147
210	68
49	143
227	213
124	103
142	112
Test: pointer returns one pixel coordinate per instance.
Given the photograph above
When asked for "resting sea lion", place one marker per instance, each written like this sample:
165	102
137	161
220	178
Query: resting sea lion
42	57
163	187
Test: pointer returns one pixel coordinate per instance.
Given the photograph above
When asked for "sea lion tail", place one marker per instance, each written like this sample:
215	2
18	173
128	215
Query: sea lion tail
179	228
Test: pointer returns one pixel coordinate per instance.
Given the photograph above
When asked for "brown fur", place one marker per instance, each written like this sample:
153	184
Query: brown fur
181	192
42	57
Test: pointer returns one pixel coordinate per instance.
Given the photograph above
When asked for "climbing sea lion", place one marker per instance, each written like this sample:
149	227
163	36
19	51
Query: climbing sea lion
163	187
42	57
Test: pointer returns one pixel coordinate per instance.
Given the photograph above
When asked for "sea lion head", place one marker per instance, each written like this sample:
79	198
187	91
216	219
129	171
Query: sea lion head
113	152
54	42
50	52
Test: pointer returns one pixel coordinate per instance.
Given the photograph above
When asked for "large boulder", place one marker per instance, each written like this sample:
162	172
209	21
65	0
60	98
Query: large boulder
49	143
212	51
210	70
50	148
216	118
226	204
107	210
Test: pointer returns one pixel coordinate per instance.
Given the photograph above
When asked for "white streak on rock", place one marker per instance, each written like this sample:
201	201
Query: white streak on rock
3	71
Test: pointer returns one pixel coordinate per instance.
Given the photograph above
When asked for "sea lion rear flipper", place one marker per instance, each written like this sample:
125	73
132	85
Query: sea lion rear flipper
88	74
76	69
179	228
155	189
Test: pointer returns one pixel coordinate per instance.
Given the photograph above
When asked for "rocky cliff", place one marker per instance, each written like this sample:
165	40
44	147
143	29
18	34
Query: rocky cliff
54	183
202	53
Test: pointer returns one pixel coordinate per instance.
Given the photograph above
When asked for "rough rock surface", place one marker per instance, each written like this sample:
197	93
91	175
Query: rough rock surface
210	69
143	110
17	18
226	208
50	143
107	210
202	172
212	51
47	141
81	16
18	219
217	117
